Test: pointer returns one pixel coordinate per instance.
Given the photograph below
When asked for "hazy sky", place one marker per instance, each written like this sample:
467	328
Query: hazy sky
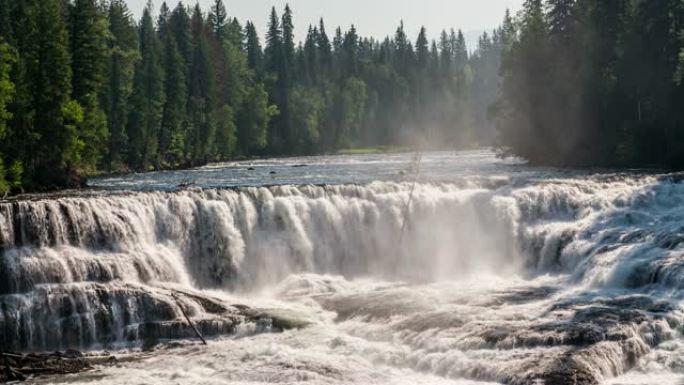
377	18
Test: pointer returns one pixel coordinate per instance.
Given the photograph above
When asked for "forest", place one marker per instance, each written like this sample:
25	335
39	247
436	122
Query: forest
594	83
86	89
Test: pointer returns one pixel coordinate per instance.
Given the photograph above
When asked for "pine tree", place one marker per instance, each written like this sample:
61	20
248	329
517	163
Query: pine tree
53	150
88	47
403	54
179	24
6	24
446	54
350	48
89	51
422	49
172	134
233	78
274	43
218	20
201	94
279	89
123	54
309	65
460	50
288	39
324	47
508	31
255	55
236	35
561	19
7	60
523	123
147	100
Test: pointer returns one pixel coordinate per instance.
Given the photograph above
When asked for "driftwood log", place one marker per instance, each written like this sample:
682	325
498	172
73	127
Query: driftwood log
187	318
22	367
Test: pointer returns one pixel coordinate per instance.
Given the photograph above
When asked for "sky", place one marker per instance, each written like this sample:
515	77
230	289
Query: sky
373	18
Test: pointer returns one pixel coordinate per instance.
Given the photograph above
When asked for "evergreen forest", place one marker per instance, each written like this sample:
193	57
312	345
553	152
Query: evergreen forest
85	88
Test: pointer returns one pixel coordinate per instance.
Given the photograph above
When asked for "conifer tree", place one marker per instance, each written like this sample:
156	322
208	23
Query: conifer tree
422	49
7	59
274	43
179	25
218	19
6	22
288	39
446	54
89	51
201	93
53	148
147	100
255	55
350	48
122	56
172	133
324	47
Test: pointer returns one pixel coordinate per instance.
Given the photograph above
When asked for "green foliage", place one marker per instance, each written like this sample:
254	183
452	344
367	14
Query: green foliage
7	59
253	120
201	93
72	119
92	134
308	109
122	57
84	88
147	99
226	133
52	146
594	83
7	89
88	38
172	135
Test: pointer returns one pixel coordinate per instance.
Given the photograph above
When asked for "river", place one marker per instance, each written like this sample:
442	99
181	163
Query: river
482	272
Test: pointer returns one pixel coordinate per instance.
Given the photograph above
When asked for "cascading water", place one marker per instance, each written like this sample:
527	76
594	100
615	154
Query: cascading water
517	278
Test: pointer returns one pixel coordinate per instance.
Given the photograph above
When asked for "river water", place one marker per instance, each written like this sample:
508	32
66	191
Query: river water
502	274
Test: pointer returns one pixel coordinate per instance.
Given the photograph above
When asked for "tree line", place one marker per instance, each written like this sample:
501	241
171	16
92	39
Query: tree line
593	82
84	88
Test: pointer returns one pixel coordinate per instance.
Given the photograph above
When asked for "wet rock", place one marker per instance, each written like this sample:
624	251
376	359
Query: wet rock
79	316
521	296
568	371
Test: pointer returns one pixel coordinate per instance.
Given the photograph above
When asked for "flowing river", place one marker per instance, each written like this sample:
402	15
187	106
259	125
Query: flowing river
341	270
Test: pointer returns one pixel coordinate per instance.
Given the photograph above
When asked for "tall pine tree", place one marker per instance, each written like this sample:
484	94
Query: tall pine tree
147	100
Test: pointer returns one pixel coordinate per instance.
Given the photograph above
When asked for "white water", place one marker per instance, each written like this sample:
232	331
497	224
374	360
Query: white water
504	275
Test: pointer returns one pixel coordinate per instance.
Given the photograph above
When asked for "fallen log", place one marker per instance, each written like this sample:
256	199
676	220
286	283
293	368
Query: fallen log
192	325
22	367
17	356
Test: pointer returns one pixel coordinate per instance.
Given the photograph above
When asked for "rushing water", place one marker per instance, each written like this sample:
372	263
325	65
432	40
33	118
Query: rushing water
502	273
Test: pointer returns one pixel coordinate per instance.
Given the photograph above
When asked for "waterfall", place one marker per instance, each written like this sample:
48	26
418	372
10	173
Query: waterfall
87	270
